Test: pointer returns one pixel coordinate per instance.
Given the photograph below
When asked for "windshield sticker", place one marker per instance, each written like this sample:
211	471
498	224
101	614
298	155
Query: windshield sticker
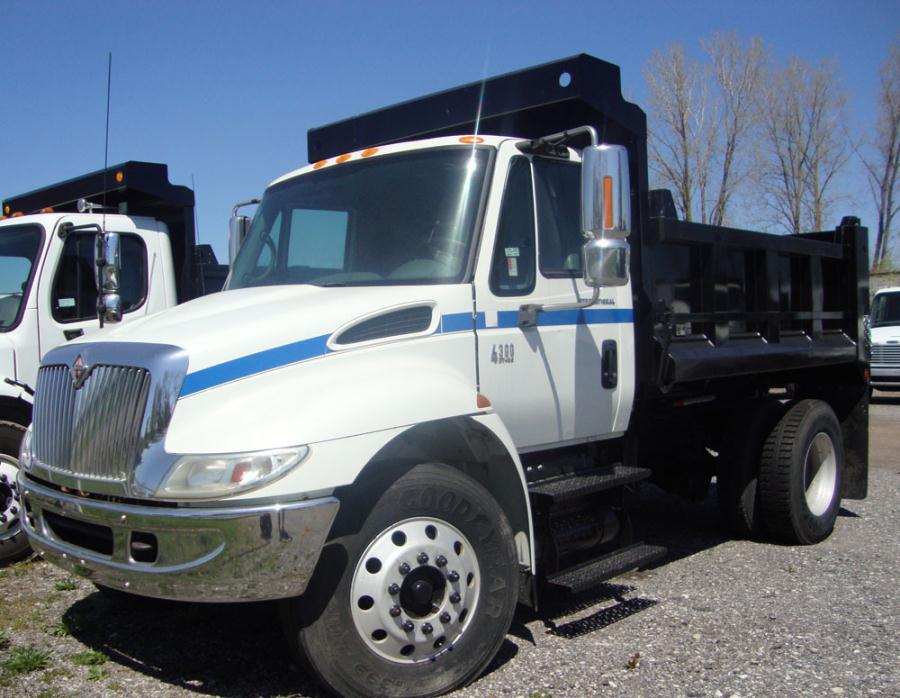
512	251
512	266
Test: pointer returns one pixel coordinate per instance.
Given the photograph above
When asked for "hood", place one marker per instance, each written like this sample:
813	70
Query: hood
885	335
242	323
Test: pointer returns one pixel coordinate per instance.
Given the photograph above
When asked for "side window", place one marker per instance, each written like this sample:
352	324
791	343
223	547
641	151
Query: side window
512	269
74	294
318	238
558	185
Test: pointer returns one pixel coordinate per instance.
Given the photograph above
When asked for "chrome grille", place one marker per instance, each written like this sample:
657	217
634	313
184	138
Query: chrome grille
94	431
886	354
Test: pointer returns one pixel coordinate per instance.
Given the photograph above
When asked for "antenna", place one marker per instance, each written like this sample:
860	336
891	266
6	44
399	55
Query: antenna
196	215
106	136
101	307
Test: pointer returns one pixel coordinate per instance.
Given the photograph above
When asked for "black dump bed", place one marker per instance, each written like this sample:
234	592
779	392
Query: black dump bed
137	189
715	308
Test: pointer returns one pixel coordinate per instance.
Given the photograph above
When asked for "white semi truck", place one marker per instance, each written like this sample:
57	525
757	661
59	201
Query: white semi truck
446	352
48	294
884	337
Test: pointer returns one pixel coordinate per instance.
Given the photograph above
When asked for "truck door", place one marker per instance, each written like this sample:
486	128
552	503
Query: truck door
561	381
67	298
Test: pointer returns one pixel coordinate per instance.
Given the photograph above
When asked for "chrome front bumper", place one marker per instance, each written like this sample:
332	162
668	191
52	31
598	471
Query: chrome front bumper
251	553
882	376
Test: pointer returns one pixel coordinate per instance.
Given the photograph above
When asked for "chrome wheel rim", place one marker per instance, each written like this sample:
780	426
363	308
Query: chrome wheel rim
415	590
9	500
820	473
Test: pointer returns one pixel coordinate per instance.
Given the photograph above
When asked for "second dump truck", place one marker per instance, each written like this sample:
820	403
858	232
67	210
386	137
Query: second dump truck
446	351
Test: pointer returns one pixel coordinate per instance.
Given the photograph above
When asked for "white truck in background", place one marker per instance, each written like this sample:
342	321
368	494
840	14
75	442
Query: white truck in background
446	352
883	331
48	292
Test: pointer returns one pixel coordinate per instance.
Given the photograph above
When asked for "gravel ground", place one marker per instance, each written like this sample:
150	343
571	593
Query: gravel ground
717	618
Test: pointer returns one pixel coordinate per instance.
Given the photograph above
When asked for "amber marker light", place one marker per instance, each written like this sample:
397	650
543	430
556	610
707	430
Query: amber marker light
471	139
481	401
120	176
607	202
17	214
369	152
47	209
319	165
6	210
343	158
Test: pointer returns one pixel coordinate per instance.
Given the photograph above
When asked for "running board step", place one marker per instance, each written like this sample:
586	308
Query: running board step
592	573
588	482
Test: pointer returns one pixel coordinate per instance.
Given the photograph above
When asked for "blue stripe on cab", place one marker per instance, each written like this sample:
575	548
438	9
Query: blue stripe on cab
457	322
558	318
305	349
254	363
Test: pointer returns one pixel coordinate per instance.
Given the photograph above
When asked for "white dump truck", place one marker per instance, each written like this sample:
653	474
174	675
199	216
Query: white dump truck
446	352
48	293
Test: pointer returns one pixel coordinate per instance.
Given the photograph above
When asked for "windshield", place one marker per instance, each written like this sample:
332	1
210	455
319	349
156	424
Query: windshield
886	310
394	219
19	246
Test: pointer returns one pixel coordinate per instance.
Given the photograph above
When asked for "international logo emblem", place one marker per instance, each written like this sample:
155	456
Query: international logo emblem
80	371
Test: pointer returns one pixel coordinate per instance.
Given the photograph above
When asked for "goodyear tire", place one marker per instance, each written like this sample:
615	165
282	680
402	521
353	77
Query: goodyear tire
13	542
738	471
418	601
800	474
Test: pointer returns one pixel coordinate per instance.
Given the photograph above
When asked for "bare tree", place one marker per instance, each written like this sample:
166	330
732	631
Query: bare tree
882	163
802	115
738	72
678	112
700	117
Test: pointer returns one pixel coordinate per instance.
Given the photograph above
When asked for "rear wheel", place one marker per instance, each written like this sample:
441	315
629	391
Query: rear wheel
800	474
419	600
13	542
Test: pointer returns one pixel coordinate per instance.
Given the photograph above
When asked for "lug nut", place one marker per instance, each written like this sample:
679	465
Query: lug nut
14	510
445	617
394	589
454	597
404	568
408	626
427	629
440	561
395	611
422	558
2	518
453	576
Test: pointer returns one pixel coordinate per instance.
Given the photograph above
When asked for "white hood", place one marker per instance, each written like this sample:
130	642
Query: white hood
885	335
229	325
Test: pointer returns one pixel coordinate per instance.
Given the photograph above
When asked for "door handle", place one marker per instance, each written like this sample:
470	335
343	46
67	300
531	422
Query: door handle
72	334
609	364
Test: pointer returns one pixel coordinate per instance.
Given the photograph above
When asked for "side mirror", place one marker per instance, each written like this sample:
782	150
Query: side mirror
107	263
605	191
605	262
237	231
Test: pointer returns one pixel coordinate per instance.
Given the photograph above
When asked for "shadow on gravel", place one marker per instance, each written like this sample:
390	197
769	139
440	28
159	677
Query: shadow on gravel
220	650
683	527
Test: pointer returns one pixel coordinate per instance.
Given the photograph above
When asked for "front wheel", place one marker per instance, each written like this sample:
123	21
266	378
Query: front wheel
800	474
419	600
13	541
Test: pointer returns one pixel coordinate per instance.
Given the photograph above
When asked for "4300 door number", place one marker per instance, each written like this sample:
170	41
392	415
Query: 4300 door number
503	354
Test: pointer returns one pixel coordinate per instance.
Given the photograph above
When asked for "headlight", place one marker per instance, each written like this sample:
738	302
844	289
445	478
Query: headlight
25	457
215	475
